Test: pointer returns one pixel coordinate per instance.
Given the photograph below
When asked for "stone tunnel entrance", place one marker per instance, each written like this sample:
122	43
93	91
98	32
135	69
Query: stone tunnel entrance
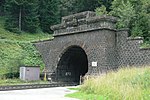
109	47
72	65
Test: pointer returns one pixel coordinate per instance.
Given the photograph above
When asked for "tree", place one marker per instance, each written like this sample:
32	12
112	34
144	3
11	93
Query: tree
11	11
125	11
31	17
20	4
133	14
89	5
68	7
140	25
21	15
2	2
75	6
49	14
106	3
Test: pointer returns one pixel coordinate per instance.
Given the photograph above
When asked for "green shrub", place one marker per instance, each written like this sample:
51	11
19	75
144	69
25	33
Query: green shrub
14	54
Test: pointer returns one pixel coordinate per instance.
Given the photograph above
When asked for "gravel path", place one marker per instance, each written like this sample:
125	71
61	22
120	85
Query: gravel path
56	93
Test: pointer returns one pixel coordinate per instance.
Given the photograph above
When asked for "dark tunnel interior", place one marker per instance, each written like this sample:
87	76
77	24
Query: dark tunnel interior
72	65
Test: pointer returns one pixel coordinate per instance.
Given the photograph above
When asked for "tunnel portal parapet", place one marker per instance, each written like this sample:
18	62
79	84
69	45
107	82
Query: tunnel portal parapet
82	22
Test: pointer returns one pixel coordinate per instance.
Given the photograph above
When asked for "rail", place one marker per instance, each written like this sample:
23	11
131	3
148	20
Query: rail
35	86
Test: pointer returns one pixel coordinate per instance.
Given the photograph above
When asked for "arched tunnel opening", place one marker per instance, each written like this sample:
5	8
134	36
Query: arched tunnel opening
72	65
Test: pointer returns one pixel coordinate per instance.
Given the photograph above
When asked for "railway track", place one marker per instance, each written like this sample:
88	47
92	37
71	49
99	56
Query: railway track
35	86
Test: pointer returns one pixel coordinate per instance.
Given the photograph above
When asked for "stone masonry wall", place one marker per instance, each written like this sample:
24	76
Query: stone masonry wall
129	51
97	36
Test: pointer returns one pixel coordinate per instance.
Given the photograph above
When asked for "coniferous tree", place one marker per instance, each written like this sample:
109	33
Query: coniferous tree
21	15
74	6
11	11
2	2
87	5
67	7
31	16
49	14
20	5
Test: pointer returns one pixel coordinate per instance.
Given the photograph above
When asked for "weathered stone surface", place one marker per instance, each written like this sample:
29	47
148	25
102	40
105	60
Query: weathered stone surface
98	37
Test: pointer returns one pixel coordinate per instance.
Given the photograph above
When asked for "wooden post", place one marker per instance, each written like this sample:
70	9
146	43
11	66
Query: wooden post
80	79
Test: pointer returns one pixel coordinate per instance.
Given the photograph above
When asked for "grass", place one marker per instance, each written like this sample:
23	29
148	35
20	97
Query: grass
17	50
20	82
126	84
73	88
15	54
85	96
